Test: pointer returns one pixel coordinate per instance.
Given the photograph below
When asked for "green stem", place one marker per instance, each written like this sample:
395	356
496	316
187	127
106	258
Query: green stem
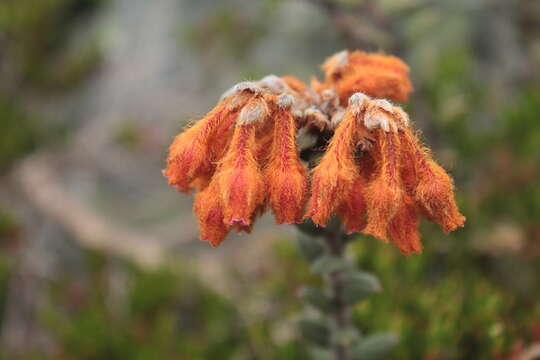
341	315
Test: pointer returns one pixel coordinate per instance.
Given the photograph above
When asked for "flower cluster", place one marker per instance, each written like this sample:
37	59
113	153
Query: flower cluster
243	156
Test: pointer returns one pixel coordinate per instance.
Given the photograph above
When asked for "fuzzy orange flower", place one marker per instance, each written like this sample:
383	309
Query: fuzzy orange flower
377	75
334	177
286	176
374	174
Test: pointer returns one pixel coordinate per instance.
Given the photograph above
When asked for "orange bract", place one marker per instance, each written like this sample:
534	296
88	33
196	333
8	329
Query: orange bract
286	177
239	178
336	173
209	211
377	75
353	208
243	157
384	194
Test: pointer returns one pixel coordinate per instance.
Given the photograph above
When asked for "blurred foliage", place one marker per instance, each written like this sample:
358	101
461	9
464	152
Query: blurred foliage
10	230
228	32
37	54
447	306
471	295
162	315
18	135
233	32
446	309
159	314
38	57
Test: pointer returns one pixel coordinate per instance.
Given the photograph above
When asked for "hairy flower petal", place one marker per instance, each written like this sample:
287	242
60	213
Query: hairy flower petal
193	153
334	176
209	212
376	74
434	191
353	209
286	177
384	194
240	181
403	229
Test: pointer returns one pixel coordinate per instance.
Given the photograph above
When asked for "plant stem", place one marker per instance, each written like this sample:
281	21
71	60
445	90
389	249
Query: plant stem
336	247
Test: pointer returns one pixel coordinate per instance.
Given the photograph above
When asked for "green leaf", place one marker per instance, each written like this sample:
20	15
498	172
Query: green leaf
375	347
359	285
346	337
329	264
310	248
317	298
315	331
320	354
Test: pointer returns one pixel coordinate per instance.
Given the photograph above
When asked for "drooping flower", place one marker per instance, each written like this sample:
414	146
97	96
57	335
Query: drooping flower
286	176
209	211
239	177
374	174
377	75
376	177
193	153
333	178
242	157
434	191
384	193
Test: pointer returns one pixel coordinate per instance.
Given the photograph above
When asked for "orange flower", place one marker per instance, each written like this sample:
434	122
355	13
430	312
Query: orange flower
403	228
377	75
209	211
433	188
240	180
435	194
384	193
192	153
244	157
353	208
336	173
286	177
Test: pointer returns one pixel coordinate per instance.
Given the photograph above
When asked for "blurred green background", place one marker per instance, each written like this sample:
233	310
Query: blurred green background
99	258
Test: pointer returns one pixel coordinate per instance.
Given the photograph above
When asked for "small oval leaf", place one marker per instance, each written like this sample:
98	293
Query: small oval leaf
317	298
375	347
359	285
329	264
310	248
315	331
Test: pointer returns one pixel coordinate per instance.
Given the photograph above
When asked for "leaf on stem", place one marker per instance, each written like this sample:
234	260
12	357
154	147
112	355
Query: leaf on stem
315	331
317	298
329	264
375	347
310	248
359	285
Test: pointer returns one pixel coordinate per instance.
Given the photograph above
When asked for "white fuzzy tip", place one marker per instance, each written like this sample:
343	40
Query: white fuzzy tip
248	85
378	120
337	119
358	99
253	112
341	58
402	116
384	104
328	94
274	83
285	101
311	111
317	117
241	86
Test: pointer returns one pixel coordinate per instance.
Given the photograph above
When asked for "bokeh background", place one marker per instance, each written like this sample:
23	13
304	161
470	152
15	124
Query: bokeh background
99	258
